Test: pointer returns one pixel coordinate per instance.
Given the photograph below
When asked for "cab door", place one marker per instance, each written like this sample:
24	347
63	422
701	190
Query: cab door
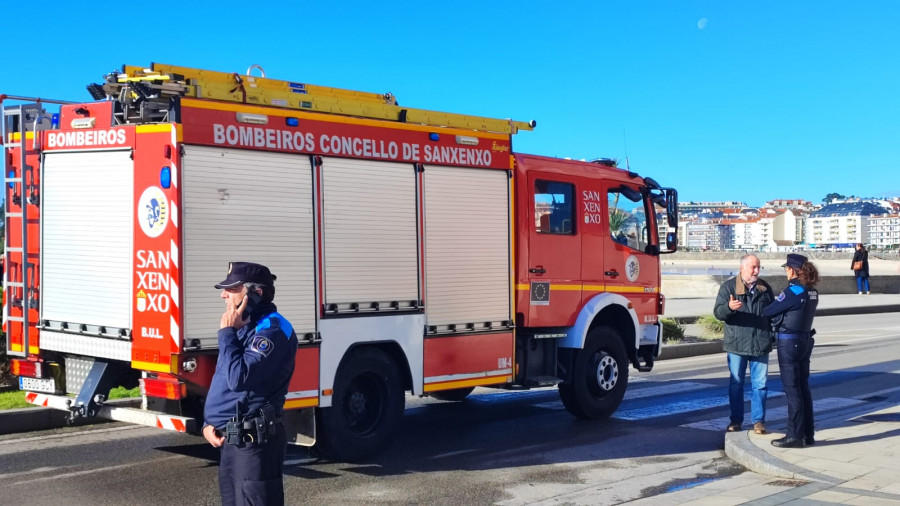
554	250
630	264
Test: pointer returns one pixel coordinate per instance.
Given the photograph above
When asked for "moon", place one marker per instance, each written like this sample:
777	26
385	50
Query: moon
702	23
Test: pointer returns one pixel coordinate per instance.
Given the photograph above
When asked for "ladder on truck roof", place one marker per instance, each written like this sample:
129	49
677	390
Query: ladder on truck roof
20	119
160	82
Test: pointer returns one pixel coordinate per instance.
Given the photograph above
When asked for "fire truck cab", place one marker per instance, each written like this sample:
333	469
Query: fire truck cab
415	252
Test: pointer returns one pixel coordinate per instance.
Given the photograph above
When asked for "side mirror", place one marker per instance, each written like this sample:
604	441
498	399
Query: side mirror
671	242
672	207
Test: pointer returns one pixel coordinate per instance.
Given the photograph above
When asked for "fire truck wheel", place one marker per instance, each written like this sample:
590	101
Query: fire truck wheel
367	404
599	376
457	394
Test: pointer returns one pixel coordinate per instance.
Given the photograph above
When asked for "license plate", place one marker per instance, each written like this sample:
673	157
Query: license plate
37	384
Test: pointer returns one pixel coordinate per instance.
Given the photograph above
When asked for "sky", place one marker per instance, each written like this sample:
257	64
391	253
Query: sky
721	99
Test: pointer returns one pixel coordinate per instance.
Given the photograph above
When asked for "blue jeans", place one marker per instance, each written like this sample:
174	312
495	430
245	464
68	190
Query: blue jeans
759	370
862	284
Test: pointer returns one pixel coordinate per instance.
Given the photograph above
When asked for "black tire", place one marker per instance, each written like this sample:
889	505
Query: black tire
456	395
599	376
366	407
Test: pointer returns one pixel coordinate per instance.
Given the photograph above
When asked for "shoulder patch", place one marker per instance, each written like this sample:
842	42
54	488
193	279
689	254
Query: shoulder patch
780	297
261	345
797	289
283	324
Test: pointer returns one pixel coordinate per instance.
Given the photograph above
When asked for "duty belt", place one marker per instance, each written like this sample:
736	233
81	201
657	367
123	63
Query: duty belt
255	428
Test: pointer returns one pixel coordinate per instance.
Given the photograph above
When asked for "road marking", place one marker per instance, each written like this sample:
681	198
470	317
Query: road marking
451	454
98	470
643	393
776	414
886	391
860	340
668	388
32	471
295	462
68	435
675	408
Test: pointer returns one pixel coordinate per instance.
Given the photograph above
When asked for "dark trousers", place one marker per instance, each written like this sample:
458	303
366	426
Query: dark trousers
251	474
793	362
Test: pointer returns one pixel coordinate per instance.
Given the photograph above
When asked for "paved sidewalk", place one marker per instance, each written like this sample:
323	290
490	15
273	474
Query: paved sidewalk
856	458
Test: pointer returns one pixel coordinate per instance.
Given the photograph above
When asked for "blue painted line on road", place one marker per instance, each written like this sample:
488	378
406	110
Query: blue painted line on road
659	400
692	484
698	400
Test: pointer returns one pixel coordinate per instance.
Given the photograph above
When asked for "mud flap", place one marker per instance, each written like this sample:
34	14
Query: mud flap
643	361
300	426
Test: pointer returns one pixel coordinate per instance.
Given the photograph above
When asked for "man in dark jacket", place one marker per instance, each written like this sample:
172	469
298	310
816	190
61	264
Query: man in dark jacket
748	341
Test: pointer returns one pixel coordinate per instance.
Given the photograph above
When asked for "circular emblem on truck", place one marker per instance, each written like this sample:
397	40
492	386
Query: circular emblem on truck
153	211
632	268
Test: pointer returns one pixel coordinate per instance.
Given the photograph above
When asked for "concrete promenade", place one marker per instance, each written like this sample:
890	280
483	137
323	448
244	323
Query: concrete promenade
856	458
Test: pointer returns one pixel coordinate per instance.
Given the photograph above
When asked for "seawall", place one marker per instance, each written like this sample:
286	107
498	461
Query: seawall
689	286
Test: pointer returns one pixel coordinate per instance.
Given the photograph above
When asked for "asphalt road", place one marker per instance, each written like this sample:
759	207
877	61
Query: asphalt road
496	447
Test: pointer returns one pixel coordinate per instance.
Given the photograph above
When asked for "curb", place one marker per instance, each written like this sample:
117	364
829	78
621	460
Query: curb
38	418
673	351
740	449
838	311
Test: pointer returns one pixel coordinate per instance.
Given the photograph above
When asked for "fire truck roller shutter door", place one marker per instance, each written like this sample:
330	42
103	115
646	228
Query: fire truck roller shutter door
467	246
88	207
248	205
370	235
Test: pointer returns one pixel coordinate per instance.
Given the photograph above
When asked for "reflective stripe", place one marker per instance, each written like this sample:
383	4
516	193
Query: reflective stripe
792	335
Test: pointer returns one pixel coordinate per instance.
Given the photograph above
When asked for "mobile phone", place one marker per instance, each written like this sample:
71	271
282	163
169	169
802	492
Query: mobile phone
253	300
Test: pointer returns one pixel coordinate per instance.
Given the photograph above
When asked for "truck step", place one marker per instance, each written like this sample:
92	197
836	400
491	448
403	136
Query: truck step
543	381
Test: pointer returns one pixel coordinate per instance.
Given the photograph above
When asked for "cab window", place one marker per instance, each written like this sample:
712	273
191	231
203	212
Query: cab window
628	218
554	209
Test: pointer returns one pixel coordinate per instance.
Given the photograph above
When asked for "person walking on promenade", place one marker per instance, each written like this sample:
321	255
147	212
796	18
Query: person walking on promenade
748	341
244	408
860	266
792	316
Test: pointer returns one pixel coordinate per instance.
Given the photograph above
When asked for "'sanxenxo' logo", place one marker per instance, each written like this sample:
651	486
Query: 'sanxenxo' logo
153	211
632	268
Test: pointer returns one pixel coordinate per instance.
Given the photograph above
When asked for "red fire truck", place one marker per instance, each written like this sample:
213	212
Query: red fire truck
415	252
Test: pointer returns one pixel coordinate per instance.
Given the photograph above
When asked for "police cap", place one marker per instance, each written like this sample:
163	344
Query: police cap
794	261
246	272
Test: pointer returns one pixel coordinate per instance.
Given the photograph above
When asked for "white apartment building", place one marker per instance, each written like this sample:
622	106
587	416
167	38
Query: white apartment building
744	234
787	231
840	226
884	231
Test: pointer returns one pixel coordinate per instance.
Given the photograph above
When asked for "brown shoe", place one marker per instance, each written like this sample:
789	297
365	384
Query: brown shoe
733	427
759	428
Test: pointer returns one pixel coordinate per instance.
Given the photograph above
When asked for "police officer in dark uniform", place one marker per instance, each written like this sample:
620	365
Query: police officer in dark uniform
245	404
792	317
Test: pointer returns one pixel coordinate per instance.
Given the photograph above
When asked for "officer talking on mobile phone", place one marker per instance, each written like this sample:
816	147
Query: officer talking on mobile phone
243	411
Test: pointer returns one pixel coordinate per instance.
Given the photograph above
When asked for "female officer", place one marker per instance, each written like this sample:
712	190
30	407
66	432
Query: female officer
792	316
